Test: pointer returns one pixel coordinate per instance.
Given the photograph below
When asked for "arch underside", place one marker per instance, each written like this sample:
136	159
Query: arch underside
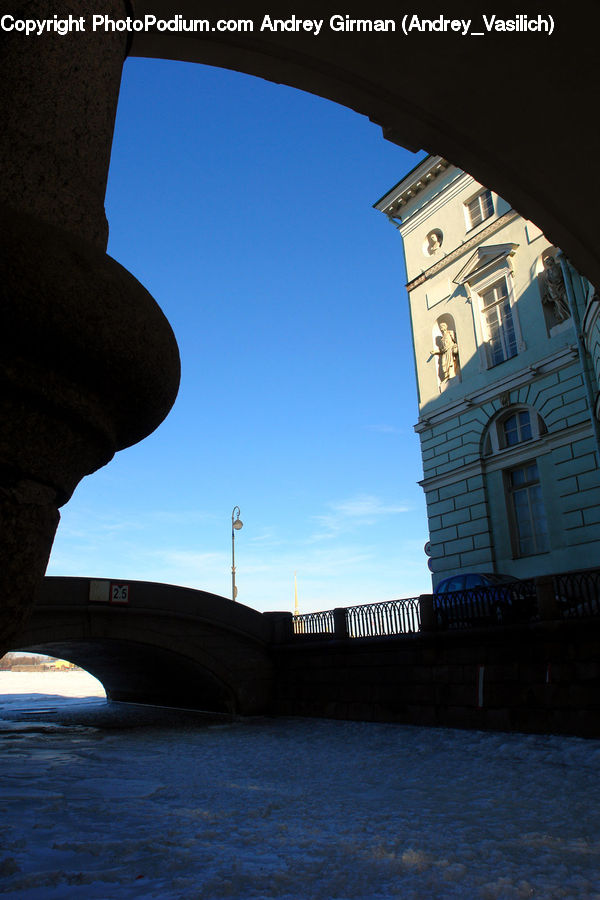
141	673
519	129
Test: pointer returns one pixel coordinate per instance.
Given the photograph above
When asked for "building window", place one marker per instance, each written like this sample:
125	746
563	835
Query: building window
516	428
498	320
525	494
479	208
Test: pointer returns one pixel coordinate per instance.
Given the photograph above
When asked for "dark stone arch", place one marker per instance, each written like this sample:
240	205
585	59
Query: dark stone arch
509	108
168	645
476	101
134	672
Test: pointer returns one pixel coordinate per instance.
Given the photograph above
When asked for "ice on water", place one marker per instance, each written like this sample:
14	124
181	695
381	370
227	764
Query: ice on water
113	801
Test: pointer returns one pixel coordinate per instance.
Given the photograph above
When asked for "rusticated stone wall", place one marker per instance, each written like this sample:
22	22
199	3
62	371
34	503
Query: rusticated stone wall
541	678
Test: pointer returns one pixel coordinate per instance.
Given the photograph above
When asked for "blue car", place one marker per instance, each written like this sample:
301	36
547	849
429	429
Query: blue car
483	598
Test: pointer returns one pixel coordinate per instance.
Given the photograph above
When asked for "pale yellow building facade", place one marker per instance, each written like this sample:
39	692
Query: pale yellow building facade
507	389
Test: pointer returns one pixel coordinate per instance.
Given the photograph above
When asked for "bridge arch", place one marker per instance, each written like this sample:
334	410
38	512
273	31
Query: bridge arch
91	365
166	645
437	91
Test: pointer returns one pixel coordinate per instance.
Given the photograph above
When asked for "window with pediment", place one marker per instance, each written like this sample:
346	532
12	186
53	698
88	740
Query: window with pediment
498	322
487	279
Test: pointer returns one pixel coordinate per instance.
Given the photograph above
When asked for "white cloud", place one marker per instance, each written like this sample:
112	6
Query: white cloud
359	511
386	429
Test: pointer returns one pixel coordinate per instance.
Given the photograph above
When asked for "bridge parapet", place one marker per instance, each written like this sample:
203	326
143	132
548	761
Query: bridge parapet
203	606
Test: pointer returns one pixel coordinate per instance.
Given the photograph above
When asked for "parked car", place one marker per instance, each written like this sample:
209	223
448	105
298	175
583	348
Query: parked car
483	598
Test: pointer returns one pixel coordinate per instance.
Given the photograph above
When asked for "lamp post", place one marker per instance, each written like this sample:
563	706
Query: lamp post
236	524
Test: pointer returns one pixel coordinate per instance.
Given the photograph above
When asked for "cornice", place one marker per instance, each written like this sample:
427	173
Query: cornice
392	203
515	380
433	204
471	244
507	458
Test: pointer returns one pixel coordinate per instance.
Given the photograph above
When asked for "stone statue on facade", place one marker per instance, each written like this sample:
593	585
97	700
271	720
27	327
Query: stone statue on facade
447	350
434	242
554	292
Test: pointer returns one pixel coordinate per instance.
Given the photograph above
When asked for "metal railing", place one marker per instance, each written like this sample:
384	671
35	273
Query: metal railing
571	594
498	604
314	623
578	594
389	617
368	620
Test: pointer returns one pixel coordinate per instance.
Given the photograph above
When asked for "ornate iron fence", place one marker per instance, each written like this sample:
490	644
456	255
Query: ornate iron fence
578	594
314	623
498	604
369	620
390	617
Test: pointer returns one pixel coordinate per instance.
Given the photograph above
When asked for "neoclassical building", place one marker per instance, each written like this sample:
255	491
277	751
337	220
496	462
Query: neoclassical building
506	349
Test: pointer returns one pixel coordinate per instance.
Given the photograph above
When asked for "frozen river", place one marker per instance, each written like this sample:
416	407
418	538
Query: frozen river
115	801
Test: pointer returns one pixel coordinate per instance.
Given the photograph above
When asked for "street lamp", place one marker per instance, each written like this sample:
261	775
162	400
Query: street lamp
236	524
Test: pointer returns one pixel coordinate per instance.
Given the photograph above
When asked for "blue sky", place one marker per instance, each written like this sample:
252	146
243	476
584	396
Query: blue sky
245	208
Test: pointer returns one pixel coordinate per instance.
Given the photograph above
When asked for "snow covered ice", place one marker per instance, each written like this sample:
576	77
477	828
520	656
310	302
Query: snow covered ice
118	801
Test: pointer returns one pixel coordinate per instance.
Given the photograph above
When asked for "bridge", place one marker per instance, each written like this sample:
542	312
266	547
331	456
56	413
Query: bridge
156	643
175	646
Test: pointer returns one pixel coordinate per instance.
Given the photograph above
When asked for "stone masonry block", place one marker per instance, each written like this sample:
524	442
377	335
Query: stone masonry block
579	417
586	445
567	486
456	517
453	490
453	445
570	375
444	534
575	519
473	416
479	511
469	497
476	557
539	388
449	563
576	466
588	480
475	482
476	526
590	516
582	500
461	545
550	407
589	534
440	508
562	454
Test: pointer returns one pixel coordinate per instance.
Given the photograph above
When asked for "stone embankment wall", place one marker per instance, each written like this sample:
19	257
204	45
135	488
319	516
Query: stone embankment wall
542	677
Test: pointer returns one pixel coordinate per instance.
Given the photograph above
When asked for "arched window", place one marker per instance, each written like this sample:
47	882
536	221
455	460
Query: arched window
515	426
509	445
